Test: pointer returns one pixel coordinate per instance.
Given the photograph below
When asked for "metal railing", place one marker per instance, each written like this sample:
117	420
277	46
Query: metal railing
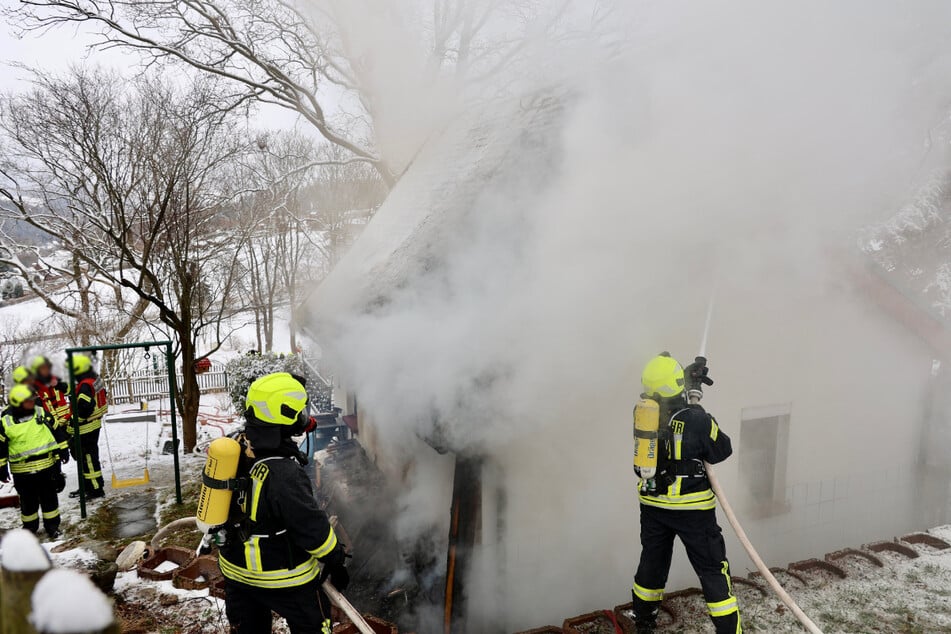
149	384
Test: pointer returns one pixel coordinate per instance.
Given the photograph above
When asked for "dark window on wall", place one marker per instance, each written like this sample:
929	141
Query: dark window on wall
764	451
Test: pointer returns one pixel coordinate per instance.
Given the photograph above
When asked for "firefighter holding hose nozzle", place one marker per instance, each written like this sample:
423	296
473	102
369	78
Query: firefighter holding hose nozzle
672	439
257	504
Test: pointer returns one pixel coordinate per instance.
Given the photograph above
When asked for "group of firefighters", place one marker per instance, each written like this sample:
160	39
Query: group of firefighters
38	435
277	545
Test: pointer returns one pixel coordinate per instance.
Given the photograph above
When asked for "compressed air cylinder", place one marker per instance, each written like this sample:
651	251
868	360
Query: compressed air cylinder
646	426
214	502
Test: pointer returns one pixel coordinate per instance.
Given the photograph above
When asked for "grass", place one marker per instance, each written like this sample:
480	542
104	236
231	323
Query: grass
187	537
100	523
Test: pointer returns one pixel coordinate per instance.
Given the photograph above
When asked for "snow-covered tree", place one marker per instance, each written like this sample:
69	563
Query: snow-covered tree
135	177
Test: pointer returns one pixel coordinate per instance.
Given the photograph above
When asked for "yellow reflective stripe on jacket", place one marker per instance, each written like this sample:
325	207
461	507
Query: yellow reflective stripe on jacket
85	428
285	578
252	554
259	473
23	455
723	608
648	594
677	427
714	430
60	414
326	547
29	443
32	466
697	501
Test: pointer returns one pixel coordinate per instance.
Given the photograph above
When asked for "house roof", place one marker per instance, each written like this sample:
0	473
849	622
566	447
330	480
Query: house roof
413	230
912	249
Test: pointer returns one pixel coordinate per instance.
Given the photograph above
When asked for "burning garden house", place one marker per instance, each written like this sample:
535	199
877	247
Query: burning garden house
487	332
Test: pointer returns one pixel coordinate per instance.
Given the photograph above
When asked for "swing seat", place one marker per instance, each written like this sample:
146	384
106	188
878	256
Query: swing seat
130	482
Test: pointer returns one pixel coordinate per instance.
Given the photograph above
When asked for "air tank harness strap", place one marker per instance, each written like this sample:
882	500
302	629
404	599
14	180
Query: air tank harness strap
687	469
232	484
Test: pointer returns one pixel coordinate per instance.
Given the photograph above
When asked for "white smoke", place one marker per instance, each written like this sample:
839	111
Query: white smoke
730	146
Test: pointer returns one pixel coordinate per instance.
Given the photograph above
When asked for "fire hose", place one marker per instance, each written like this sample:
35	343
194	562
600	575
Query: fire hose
811	627
695	396
335	596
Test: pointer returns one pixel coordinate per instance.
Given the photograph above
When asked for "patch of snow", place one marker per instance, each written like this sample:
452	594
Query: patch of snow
21	552
72	558
166	566
66	601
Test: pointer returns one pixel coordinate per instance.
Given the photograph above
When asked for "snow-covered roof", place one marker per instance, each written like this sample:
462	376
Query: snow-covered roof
481	151
912	250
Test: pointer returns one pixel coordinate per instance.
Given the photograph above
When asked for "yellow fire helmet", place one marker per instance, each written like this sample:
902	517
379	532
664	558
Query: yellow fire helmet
663	377
38	362
20	394
21	374
81	364
276	399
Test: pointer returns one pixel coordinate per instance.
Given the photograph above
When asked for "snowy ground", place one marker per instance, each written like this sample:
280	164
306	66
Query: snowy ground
172	609
906	596
127	448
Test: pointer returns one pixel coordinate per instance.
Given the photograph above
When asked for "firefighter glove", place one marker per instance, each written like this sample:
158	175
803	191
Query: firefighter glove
4	473
696	374
64	456
335	569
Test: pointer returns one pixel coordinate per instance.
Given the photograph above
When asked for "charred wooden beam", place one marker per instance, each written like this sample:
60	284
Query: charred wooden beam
464	533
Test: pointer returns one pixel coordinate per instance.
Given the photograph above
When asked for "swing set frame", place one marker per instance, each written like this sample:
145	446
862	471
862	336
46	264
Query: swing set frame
172	389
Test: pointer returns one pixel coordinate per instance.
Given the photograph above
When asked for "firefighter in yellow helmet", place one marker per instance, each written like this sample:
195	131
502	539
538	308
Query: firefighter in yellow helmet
22	376
279	545
92	403
52	391
30	449
678	501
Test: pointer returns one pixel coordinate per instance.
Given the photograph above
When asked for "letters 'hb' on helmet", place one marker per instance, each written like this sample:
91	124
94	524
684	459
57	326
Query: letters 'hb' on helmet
276	399
81	364
20	374
663	377
20	394
38	362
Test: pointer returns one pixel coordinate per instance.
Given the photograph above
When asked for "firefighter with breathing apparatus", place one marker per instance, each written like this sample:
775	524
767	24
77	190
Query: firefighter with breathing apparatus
32	450
672	439
257	505
22	376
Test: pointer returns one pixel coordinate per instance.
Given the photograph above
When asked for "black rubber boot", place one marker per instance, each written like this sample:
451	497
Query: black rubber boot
644	623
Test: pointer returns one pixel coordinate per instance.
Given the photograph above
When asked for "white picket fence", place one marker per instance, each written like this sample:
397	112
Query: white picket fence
147	385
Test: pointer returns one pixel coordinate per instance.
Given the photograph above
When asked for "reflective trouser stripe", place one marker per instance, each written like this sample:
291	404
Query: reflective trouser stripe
327	546
30	518
32	466
48	515
91	474
723	608
647	594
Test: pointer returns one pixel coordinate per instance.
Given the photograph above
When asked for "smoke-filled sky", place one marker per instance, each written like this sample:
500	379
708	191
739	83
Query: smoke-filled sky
727	138
728	145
